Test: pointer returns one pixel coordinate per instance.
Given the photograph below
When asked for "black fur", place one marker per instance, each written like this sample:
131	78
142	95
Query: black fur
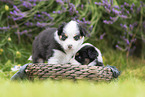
92	53
60	28
82	29
99	63
87	52
44	44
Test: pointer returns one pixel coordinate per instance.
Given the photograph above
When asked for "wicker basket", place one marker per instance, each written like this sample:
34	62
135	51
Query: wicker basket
67	71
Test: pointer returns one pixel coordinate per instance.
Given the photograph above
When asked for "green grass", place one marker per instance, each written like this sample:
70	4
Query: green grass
130	87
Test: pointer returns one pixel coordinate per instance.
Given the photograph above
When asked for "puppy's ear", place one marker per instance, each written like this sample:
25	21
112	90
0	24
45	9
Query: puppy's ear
83	30
60	28
92	53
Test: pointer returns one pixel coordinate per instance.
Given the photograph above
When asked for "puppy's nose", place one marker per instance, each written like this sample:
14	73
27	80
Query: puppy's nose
70	46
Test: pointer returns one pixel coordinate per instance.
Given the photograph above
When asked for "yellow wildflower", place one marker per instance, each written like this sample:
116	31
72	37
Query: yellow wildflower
9	39
19	65
18	54
6	7
1	51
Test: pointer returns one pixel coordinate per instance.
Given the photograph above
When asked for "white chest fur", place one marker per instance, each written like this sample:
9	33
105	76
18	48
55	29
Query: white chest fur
60	58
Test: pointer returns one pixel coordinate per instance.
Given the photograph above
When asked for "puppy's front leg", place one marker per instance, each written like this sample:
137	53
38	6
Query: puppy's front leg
53	61
56	58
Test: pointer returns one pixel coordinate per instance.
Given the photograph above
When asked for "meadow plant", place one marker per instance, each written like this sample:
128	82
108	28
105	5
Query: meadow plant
119	23
129	19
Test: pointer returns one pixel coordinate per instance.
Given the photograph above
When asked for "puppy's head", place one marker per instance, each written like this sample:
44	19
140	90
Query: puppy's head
71	35
86	55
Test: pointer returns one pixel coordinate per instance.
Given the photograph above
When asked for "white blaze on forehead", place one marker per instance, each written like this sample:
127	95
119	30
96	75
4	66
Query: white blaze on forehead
71	28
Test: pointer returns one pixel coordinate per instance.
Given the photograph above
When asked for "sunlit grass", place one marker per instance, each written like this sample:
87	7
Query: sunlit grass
130	87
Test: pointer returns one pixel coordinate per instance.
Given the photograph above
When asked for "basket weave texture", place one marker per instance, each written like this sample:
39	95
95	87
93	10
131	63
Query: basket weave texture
68	71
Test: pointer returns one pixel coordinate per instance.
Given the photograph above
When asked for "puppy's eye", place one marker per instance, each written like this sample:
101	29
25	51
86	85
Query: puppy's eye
77	37
79	57
63	37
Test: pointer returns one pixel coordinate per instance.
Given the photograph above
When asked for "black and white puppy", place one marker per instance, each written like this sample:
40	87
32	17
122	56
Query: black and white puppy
57	46
87	55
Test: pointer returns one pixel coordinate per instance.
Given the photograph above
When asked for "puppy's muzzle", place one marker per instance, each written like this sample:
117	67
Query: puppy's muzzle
69	46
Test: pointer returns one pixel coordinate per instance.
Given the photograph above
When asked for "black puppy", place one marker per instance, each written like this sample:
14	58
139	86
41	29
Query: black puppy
88	55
